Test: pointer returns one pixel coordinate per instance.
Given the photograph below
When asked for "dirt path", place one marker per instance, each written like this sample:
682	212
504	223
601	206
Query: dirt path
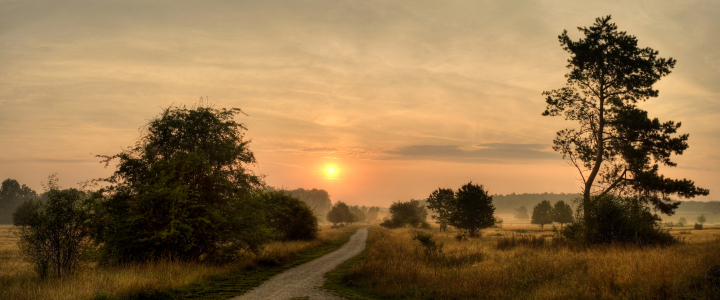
304	281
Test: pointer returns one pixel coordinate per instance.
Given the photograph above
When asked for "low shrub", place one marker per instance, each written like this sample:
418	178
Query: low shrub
698	226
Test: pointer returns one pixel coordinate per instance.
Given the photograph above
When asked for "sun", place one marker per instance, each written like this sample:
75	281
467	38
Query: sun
330	171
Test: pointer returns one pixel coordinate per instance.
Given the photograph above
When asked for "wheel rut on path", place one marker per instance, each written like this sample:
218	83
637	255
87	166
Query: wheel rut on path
305	281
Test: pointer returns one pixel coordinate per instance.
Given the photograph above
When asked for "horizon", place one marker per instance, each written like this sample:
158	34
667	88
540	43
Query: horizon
397	99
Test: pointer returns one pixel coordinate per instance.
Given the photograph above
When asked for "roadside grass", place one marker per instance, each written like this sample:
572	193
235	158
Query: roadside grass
162	279
507	264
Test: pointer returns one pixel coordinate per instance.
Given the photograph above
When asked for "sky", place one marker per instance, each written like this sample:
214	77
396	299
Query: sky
399	97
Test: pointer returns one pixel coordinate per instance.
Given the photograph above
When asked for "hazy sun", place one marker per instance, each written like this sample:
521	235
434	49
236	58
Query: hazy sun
331	171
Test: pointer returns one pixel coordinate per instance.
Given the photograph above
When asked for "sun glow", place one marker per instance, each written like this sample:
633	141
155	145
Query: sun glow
331	171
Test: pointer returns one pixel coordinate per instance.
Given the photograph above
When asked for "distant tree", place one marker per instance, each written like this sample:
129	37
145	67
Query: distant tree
473	209
339	213
562	213
291	218
442	203
357	213
12	194
372	213
24	212
701	219
521	213
542	214
617	148
318	200
683	221
184	190
53	234
403	213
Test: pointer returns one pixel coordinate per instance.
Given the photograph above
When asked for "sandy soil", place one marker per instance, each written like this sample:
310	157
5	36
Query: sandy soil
304	281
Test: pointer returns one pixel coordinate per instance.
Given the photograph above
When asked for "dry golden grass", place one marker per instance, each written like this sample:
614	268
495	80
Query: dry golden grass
17	280
397	267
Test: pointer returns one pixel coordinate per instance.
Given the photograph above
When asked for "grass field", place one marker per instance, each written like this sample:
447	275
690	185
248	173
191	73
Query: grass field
179	279
525	263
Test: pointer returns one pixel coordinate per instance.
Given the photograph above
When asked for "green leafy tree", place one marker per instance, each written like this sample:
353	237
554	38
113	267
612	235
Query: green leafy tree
12	194
291	218
54	233
404	213
473	209
442	203
184	190
617	148
542	214
339	213
521	213
562	213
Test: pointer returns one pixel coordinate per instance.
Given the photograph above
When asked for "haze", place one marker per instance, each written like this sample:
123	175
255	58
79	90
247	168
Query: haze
398	97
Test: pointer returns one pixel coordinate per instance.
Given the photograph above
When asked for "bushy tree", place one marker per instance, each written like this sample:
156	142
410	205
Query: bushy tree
473	209
184	190
372	213
339	213
442	203
617	148
318	200
542	213
521	213
12	194
562	213
357	213
404	213
53	234
291	218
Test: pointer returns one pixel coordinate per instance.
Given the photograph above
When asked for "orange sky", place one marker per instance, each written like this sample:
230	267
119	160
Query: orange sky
402	97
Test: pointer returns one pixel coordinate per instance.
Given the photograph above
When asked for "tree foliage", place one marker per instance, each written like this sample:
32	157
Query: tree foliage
562	213
701	219
406	213
340	213
442	203
372	213
542	214
617	149
521	213
53	234
357	213
473	209
12	194
318	200
289	217
184	190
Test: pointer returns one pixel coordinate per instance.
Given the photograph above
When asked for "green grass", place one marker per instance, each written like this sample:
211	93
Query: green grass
234	283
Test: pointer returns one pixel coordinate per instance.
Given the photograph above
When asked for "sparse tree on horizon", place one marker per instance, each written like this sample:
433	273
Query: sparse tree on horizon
617	148
442	203
562	213
542	214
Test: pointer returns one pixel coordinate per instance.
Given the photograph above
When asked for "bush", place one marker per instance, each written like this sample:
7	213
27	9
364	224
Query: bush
617	220
291	218
431	248
54	234
698	226
403	213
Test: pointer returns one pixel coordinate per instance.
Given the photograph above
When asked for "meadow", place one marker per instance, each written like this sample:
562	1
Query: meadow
526	262
18	281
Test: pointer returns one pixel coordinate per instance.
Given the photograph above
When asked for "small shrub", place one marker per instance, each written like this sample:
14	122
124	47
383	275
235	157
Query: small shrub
698	226
432	248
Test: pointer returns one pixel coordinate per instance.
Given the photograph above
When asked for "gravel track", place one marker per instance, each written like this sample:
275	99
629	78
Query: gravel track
304	281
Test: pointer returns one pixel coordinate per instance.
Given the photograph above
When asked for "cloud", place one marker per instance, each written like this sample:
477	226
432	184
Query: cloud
491	152
320	149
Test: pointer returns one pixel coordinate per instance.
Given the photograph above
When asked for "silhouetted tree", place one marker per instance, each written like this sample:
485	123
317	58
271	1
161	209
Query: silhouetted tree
12	194
617	148
442	203
562	213
473	209
521	213
542	214
53	234
184	191
291	218
403	213
339	213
